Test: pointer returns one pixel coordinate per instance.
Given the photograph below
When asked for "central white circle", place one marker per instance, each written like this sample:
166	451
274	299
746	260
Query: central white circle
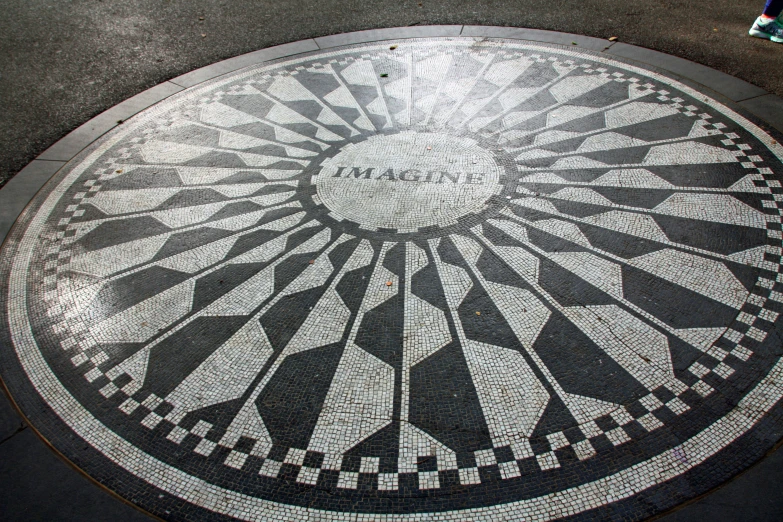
408	180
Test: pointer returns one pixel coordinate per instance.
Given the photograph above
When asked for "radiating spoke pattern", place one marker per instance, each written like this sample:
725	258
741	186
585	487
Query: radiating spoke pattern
438	267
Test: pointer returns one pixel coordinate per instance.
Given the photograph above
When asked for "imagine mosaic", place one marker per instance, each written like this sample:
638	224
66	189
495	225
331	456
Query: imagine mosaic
478	279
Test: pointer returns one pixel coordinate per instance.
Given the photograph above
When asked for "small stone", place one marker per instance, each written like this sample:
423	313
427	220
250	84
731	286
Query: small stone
388	156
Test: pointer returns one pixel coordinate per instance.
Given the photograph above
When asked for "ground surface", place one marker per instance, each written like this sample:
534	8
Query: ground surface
520	307
115	54
64	62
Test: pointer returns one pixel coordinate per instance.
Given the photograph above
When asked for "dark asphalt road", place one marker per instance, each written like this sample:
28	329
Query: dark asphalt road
62	62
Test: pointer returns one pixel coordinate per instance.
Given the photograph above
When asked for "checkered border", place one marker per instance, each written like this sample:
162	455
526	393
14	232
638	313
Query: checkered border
629	422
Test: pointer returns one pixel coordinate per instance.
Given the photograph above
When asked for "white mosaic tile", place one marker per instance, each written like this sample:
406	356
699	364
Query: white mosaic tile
407	270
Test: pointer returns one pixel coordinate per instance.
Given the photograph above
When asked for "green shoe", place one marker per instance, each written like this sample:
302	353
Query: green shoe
771	30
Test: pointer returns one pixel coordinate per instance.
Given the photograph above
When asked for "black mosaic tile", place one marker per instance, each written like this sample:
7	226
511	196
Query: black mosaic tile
448	276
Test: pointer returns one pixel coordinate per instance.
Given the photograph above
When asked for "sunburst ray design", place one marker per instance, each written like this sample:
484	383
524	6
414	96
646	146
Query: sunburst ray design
207	283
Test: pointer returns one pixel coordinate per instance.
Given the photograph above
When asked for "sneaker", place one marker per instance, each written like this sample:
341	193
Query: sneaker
771	30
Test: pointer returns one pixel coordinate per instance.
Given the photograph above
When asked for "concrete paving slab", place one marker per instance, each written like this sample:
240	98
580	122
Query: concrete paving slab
768	107
20	190
754	496
38	485
226	66
74	142
729	86
10	421
537	35
391	33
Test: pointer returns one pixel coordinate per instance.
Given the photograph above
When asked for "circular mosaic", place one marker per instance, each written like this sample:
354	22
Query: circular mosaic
444	177
479	279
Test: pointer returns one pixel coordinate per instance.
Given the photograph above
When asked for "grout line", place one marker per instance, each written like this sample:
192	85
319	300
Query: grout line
172	83
608	46
461	29
752	97
49	160
315	41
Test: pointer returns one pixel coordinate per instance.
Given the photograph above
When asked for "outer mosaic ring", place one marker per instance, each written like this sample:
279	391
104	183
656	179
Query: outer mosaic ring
687	460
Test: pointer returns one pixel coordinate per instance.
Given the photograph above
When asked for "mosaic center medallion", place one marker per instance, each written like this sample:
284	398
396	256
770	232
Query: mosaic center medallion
409	180
477	279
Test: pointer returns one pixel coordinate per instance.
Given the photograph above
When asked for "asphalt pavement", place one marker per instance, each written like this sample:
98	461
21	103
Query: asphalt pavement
63	62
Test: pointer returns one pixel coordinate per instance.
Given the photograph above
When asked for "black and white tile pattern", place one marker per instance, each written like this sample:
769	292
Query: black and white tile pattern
483	279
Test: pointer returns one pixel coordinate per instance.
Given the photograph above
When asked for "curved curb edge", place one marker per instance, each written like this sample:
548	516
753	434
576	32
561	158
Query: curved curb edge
22	188
15	195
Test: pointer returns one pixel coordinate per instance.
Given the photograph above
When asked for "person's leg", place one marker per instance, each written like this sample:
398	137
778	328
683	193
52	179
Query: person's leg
772	9
766	26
